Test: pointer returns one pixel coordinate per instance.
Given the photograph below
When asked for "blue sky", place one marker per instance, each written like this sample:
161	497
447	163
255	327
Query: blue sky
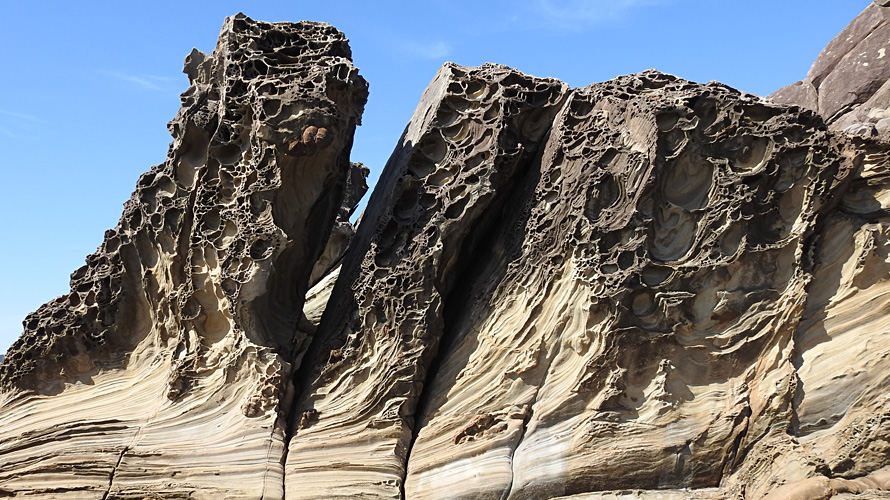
88	87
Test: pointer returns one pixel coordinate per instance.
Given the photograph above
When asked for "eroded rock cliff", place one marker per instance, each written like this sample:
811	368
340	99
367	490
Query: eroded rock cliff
165	372
644	288
634	306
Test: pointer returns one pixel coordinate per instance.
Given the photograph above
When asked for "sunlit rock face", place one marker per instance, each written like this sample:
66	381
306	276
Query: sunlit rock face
638	334
474	133
645	288
849	84
165	373
627	308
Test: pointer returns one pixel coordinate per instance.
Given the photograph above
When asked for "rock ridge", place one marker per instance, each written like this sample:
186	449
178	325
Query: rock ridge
848	82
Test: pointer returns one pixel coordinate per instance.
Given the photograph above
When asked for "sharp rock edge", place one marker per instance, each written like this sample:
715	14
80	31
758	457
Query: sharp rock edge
645	288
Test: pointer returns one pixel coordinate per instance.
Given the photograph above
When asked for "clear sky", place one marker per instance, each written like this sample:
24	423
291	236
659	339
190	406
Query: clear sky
88	87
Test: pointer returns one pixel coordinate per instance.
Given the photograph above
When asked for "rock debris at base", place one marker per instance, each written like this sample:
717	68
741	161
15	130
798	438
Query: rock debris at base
644	288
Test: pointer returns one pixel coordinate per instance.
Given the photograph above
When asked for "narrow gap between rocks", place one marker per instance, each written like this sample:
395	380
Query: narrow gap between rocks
324	207
470	271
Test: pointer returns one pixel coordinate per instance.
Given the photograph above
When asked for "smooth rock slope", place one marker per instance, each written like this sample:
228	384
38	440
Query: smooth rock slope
645	288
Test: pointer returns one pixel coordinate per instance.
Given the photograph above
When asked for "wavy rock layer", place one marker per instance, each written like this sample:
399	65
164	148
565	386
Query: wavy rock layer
165	372
474	131
662	259
629	307
646	288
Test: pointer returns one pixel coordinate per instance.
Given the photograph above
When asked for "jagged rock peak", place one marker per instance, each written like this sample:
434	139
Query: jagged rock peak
262	87
177	339
849	83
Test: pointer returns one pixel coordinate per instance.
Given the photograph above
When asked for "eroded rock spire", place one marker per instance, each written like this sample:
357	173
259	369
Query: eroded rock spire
166	369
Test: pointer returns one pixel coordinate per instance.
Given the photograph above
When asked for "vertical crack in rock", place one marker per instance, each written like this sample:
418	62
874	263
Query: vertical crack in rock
477	246
192	304
113	472
481	248
473	132
845	161
736	453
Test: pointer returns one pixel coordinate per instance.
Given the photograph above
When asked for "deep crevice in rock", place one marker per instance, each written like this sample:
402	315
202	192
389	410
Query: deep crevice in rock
651	299
113	472
479	249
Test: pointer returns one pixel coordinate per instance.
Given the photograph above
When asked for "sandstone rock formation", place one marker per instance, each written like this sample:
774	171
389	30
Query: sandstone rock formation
474	131
165	373
645	288
849	84
636	305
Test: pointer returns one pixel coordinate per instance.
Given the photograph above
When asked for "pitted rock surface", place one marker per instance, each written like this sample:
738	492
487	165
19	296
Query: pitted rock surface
164	372
474	131
664	237
645	288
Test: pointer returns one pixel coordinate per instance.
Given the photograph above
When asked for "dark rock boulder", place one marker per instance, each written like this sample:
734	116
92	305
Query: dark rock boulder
849	84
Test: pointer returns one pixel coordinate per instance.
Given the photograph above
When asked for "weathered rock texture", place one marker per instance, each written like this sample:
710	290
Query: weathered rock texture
620	286
165	373
849	84
646	288
474	131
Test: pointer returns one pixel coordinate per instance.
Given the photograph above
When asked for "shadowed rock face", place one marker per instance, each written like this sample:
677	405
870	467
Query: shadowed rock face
644	288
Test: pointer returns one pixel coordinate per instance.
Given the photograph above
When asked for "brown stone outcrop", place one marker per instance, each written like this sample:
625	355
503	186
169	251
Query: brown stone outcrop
166	371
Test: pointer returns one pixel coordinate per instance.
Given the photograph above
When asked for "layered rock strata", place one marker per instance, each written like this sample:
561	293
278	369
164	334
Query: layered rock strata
634	306
474	131
617	344
165	372
645	288
849	84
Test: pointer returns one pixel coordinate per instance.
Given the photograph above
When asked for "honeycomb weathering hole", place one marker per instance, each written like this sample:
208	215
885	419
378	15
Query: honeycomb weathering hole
688	181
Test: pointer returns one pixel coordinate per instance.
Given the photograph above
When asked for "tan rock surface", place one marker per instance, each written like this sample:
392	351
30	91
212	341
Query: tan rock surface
647	288
630	320
474	130
165	373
